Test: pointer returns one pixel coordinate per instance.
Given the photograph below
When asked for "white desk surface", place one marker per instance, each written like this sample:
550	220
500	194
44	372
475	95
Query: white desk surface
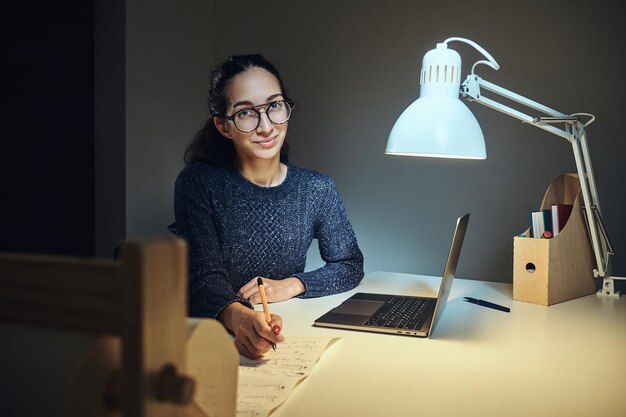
564	360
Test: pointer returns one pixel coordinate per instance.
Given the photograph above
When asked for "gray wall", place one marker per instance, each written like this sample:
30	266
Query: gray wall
169	48
152	59
353	68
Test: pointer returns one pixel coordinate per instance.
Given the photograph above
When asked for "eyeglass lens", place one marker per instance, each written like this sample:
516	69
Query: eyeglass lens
249	119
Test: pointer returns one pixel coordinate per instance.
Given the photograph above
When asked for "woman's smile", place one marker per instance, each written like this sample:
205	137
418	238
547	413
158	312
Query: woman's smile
266	142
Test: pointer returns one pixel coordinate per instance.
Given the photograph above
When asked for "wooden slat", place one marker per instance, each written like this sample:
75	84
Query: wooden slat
78	275
89	323
62	292
155	333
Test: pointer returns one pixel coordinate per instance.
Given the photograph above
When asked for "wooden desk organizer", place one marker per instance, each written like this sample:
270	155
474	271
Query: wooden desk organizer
550	271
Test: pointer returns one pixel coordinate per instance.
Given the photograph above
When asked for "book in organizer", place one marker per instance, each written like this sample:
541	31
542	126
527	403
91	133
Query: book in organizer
560	213
552	220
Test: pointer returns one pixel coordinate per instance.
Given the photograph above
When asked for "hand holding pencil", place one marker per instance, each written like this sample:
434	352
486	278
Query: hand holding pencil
256	332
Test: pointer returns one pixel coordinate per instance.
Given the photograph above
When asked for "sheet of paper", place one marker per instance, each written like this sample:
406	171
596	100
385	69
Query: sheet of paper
265	383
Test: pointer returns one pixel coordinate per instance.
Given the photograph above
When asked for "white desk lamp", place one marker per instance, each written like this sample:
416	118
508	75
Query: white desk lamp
437	124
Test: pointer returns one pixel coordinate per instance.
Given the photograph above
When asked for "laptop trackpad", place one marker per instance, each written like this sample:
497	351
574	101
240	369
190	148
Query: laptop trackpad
358	307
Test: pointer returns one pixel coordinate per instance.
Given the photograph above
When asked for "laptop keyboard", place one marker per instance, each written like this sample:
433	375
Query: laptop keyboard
402	313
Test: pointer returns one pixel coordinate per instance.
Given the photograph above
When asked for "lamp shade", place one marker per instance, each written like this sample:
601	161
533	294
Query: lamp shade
438	124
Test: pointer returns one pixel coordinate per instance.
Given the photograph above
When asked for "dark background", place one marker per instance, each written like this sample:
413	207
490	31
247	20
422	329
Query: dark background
47	157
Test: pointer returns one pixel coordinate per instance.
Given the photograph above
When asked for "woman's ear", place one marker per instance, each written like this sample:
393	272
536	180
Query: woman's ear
222	127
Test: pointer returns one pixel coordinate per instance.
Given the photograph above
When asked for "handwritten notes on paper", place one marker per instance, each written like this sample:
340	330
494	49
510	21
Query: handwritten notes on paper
265	383
255	388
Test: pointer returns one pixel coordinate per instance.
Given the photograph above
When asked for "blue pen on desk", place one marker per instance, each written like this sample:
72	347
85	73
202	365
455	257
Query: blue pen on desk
486	304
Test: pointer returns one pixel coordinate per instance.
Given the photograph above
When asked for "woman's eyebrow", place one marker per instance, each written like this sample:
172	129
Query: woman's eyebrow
251	104
273	96
243	103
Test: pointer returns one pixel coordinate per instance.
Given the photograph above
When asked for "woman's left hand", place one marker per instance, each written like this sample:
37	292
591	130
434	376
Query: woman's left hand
275	289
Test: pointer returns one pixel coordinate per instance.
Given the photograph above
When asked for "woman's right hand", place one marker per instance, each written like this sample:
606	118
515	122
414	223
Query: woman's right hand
253	335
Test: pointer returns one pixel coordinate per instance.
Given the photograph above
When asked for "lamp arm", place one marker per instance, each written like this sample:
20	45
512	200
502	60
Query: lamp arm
573	131
471	90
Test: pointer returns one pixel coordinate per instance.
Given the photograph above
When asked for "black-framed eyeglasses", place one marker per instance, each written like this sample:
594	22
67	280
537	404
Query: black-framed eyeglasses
248	119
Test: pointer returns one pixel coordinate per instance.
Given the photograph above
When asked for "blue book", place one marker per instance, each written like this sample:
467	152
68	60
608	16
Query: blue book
547	220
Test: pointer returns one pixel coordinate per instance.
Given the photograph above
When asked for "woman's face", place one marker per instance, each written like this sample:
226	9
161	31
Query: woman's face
249	89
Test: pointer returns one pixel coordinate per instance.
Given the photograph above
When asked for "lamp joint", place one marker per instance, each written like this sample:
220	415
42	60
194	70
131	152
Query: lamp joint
471	87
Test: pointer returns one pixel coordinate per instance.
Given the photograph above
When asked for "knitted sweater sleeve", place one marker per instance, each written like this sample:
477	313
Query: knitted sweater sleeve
209	290
338	248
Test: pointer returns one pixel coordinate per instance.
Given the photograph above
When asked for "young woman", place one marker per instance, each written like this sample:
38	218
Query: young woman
246	212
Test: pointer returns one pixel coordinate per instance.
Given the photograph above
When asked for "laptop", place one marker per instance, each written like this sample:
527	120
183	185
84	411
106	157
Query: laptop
398	314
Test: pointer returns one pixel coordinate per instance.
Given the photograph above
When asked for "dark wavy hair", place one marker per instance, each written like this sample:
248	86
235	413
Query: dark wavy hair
209	145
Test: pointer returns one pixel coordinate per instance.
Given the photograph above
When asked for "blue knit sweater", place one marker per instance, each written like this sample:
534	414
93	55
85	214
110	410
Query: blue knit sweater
237	230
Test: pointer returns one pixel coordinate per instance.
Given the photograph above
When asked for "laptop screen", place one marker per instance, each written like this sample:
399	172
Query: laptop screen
450	269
